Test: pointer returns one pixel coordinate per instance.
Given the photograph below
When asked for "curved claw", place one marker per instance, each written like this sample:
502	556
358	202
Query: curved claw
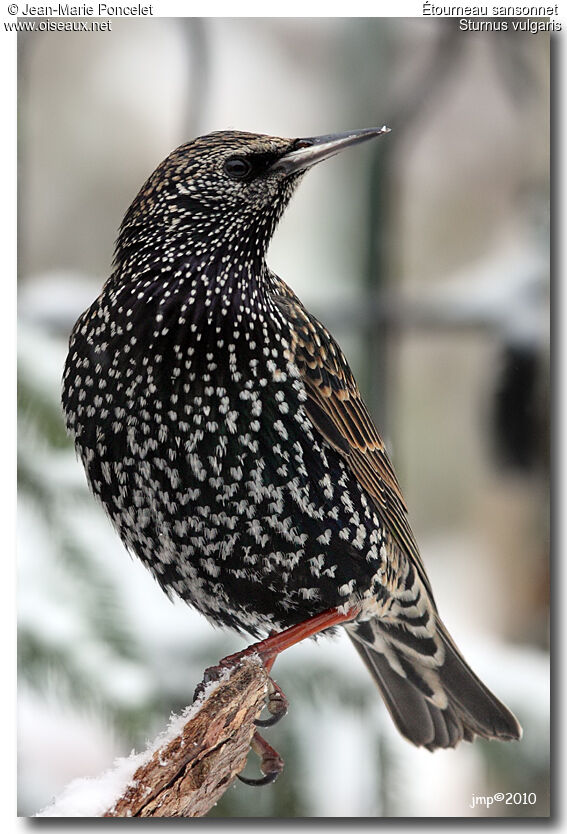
269	722
271	763
263	780
277	705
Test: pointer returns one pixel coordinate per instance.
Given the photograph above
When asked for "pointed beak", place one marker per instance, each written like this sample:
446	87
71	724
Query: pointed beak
308	152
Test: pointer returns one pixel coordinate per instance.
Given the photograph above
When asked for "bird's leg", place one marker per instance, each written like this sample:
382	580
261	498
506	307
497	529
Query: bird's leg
267	650
271	763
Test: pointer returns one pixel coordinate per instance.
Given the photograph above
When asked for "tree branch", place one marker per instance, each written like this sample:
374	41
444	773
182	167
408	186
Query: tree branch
186	775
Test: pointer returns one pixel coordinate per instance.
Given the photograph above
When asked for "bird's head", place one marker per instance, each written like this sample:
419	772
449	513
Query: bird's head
224	189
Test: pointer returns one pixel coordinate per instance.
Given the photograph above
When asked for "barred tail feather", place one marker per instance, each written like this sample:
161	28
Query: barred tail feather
432	705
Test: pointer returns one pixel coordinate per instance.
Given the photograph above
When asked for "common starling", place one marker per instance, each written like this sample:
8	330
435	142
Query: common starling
221	428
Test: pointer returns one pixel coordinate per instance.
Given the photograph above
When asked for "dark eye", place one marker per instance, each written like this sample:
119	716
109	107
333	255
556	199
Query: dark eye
238	168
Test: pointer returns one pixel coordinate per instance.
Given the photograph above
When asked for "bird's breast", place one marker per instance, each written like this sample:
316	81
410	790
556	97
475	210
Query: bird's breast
198	444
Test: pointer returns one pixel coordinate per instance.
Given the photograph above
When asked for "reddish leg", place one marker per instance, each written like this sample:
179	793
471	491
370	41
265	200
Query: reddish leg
278	642
267	650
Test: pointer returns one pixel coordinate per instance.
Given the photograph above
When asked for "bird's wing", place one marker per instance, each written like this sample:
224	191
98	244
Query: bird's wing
336	409
434	697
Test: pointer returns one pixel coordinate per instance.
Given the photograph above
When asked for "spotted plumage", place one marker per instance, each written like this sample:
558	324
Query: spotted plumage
221	428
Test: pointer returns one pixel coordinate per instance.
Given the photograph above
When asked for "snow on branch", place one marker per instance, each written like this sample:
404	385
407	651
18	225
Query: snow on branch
188	767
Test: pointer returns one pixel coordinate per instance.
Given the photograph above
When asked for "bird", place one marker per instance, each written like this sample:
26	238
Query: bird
223	432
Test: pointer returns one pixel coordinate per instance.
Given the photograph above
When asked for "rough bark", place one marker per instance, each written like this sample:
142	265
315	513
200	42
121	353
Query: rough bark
188	775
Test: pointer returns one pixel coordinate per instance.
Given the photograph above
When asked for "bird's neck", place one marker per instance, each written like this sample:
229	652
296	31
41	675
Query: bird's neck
208	287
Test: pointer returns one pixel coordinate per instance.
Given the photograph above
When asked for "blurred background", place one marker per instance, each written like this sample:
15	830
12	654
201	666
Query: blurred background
427	254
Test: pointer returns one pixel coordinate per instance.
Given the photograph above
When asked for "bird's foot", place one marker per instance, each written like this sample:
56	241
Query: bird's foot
276	701
276	704
271	763
222	669
267	650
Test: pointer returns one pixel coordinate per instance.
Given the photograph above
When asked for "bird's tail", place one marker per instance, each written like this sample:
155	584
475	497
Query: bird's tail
433	696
